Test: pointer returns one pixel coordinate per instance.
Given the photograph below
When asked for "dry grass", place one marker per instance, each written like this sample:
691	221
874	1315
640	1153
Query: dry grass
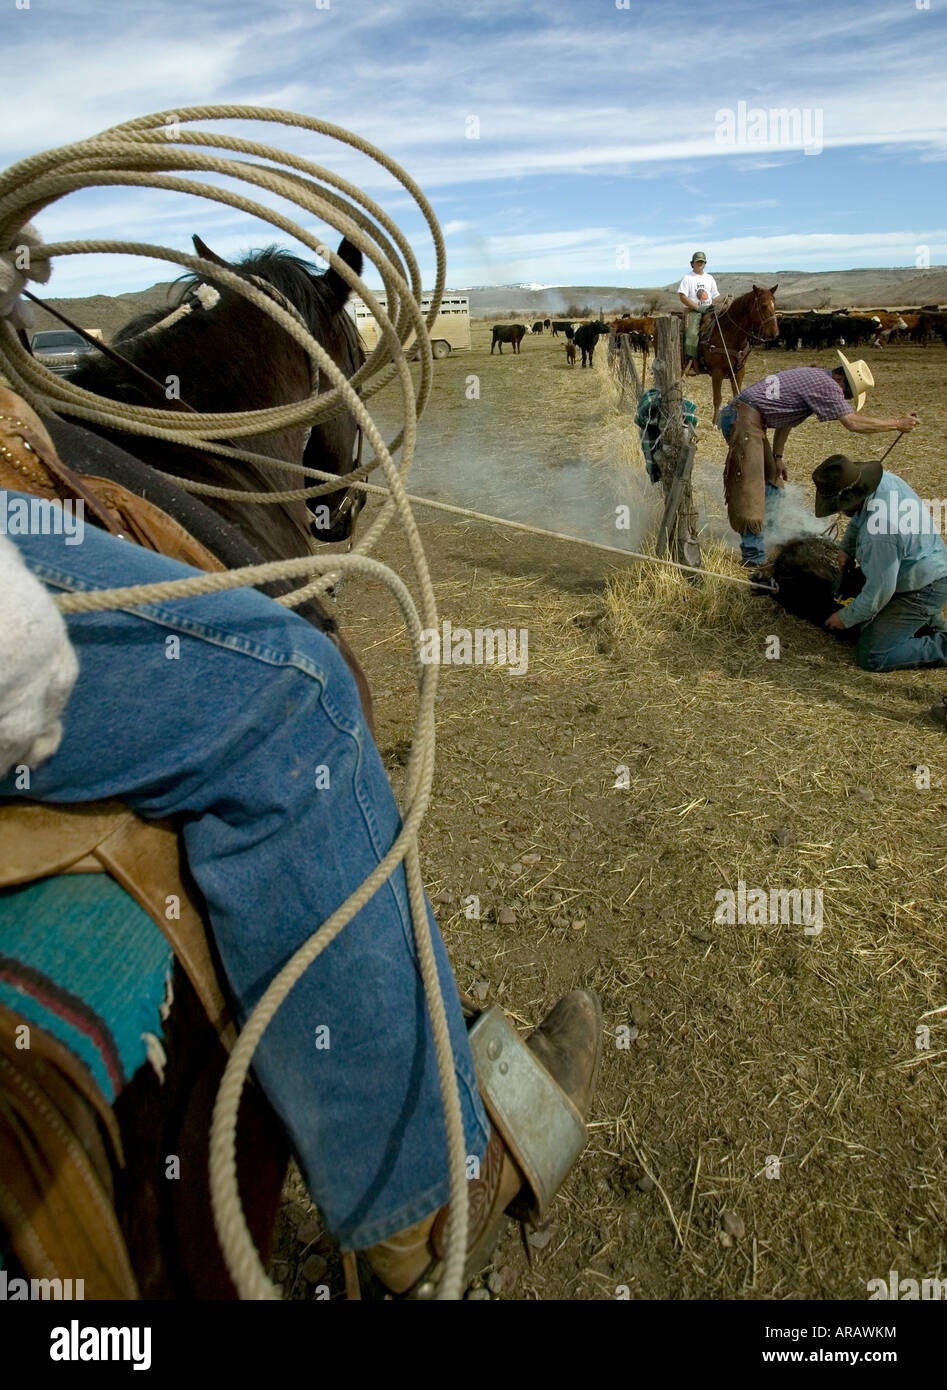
645	601
755	1040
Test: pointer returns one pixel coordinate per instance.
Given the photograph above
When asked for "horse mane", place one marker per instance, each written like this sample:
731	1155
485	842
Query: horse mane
317	296
746	296
140	324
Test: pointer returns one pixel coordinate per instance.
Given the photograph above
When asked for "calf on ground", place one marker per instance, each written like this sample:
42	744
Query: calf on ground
570	353
813	577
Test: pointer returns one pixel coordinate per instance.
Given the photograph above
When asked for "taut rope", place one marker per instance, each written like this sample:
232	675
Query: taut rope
138	154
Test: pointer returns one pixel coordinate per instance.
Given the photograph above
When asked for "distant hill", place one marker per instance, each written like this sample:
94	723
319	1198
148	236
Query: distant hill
103	311
874	288
798	289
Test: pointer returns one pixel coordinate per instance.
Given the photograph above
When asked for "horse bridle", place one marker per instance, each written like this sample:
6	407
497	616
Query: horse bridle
744	353
756	337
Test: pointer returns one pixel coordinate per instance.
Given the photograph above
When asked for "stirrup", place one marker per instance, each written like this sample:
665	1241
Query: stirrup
534	1123
534	1117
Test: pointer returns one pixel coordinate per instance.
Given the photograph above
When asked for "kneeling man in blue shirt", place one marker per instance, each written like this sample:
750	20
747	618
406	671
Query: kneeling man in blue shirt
893	537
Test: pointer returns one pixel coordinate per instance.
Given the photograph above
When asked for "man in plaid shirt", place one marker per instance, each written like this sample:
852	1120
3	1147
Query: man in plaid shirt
755	471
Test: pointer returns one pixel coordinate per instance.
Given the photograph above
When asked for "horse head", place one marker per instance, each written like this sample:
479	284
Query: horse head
764	311
332	445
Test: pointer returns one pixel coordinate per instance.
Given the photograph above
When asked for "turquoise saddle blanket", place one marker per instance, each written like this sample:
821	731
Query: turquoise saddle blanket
81	959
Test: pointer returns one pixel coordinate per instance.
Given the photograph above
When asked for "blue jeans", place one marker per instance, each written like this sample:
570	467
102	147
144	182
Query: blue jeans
752	548
888	642
228	735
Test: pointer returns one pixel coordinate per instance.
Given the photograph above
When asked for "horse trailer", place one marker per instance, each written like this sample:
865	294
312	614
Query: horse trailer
450	331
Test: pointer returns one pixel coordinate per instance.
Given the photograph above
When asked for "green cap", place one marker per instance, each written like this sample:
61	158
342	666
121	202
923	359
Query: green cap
698	256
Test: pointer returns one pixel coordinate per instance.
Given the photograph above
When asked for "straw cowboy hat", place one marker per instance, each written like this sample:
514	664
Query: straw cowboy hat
841	484
859	379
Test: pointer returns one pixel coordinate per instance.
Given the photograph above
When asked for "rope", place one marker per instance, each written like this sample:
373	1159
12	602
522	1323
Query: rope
140	153
726	349
417	501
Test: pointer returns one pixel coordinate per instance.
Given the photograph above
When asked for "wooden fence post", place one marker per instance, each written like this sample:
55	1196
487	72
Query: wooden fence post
678	534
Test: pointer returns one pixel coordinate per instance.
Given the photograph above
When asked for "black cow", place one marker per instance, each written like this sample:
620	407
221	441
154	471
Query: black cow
586	336
819	331
507	333
538	326
931	325
561	326
856	331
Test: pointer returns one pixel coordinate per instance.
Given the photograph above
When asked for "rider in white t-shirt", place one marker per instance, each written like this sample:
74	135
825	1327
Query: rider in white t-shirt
697	291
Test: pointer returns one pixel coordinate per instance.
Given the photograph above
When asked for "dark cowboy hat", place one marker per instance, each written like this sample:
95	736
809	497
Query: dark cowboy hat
841	484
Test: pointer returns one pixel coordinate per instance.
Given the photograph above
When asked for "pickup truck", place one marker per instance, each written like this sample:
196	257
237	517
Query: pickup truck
60	349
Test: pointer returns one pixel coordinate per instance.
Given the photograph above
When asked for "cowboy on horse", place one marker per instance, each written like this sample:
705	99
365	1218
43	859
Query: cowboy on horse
697	292
718	340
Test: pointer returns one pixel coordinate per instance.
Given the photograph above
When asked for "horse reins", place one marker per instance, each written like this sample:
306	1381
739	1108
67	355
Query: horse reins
755	337
723	340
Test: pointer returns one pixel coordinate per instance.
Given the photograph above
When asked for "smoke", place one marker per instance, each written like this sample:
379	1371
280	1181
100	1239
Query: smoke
790	516
510	456
592	496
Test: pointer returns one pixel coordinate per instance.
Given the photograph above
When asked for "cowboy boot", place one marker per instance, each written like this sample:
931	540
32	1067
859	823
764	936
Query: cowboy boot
537	1095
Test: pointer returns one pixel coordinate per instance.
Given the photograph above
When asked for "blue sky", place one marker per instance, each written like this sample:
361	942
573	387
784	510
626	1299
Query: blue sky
603	154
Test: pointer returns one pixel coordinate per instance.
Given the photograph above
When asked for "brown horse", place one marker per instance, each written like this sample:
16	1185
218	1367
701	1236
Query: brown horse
728	336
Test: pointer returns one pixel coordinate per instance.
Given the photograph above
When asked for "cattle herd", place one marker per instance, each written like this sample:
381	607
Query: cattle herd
812	330
857	328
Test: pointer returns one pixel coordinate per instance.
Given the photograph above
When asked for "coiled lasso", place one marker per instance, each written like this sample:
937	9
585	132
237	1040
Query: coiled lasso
152	152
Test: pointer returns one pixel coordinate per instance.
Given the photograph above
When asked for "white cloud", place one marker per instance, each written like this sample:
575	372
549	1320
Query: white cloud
560	92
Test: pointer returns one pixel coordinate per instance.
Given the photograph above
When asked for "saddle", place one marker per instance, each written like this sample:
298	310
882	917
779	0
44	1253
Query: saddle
59	1137
29	463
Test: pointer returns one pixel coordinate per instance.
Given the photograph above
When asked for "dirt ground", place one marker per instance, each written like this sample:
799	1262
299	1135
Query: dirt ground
774	1077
